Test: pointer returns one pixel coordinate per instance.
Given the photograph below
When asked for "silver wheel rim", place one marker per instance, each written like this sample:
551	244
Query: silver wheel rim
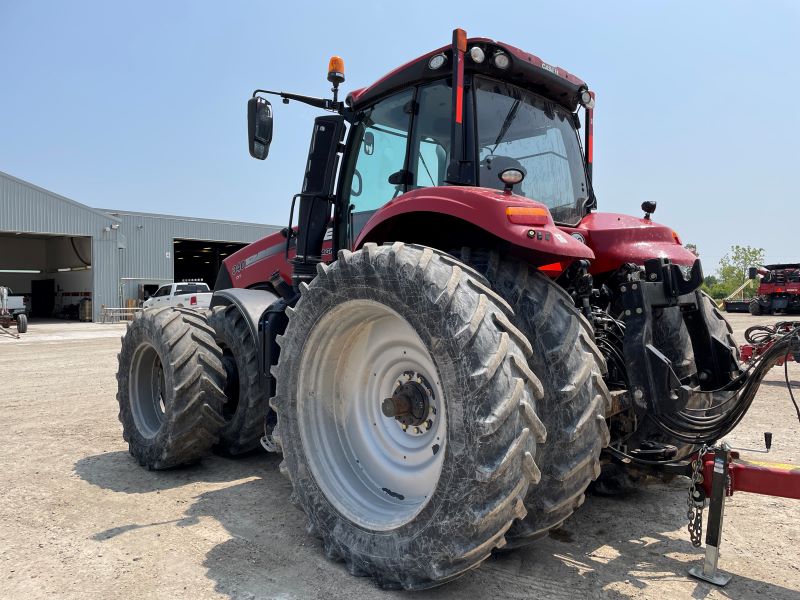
147	391
370	469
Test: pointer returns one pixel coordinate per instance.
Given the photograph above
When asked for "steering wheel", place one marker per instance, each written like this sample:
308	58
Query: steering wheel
356	175
494	164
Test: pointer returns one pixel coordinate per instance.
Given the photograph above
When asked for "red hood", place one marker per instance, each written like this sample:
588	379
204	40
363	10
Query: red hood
617	239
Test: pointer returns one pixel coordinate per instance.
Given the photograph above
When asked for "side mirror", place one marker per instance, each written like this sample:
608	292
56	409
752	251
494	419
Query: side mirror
752	273
259	127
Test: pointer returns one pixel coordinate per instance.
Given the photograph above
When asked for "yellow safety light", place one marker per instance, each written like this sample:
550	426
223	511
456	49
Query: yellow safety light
336	70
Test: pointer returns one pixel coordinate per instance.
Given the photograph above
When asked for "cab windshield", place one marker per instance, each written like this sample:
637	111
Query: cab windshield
516	128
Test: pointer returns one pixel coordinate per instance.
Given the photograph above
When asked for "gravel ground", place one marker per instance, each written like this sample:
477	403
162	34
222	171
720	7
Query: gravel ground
79	519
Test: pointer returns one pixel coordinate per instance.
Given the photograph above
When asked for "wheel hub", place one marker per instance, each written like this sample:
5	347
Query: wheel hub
412	404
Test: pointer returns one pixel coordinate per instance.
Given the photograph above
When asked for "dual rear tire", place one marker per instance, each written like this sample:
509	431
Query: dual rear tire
247	404
170	387
188	383
575	398
411	506
416	508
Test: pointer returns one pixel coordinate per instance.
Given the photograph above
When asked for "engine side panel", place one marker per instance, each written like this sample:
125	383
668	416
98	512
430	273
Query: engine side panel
616	239
254	264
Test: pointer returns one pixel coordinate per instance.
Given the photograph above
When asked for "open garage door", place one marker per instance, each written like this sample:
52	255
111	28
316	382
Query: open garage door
53	272
197	260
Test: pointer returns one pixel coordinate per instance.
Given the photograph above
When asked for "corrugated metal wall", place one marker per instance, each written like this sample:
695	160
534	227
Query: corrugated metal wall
27	208
124	244
148	241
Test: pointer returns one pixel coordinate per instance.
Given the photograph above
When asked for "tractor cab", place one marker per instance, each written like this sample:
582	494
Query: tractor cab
514	140
477	114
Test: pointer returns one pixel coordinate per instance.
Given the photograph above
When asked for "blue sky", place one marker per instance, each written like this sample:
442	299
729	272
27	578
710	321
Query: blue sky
141	105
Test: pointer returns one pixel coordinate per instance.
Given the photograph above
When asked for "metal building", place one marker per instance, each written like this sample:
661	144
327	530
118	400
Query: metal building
60	252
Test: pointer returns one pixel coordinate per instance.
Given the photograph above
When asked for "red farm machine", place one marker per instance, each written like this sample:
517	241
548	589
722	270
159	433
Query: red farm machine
451	343
778	289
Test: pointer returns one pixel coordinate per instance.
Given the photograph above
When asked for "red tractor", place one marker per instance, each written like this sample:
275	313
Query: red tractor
451	343
778	290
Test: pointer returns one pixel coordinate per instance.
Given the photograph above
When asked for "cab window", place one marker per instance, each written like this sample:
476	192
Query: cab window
430	146
404	145
379	173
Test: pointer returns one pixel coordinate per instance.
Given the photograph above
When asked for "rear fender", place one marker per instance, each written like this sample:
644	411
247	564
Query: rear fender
454	216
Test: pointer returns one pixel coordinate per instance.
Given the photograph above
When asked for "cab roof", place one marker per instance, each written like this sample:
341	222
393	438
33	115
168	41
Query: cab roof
525	70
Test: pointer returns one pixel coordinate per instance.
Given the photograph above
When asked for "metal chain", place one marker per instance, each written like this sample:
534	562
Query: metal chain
696	502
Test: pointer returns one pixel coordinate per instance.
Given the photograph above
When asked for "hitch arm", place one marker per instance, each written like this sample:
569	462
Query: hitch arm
755	477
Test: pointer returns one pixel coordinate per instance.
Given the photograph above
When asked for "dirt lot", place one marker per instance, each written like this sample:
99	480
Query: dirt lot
79	519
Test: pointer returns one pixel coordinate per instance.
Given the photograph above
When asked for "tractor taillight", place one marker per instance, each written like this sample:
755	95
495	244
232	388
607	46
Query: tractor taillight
527	215
193	300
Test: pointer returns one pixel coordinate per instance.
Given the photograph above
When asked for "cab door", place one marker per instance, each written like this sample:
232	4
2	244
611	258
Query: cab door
400	144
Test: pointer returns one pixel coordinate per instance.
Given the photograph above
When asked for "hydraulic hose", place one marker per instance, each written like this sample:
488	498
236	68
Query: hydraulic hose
697	426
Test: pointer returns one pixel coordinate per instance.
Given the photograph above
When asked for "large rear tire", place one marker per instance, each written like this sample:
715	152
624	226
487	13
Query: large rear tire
246	405
570	368
169	387
411	506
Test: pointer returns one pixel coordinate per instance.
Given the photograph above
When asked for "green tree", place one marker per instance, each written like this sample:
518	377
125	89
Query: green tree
733	268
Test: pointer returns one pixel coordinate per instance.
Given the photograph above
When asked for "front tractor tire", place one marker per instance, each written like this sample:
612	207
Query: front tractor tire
246	406
419	497
170	387
754	307
570	367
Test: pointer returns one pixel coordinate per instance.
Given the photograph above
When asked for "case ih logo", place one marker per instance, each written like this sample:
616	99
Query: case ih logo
552	69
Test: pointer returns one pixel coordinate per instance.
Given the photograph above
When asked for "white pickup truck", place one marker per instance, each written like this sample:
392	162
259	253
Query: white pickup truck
17	304
190	295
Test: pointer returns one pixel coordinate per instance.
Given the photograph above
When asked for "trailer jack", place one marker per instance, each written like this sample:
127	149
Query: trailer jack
721	473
